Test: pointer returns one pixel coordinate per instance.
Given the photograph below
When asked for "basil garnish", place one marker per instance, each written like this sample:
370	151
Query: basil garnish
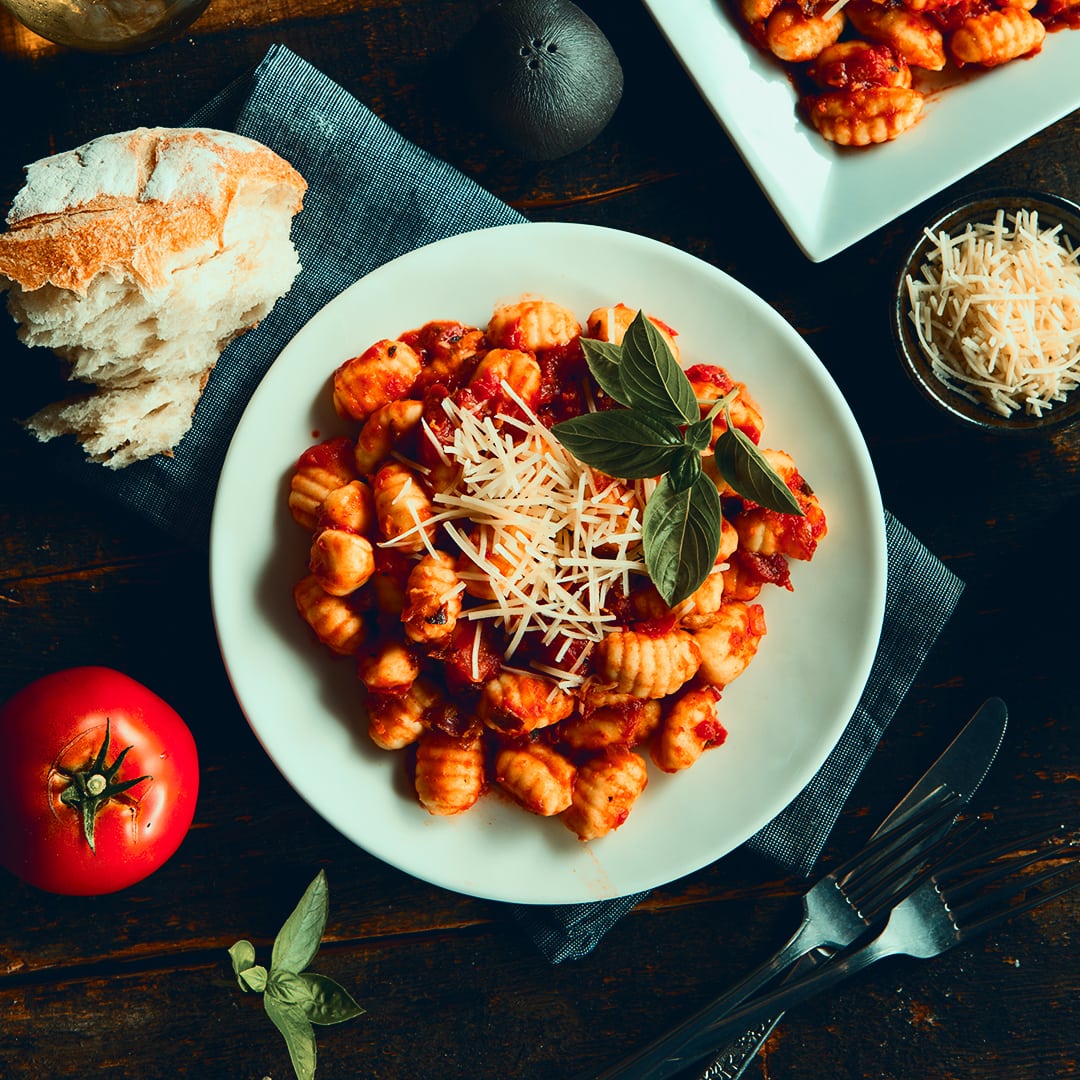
681	536
660	432
603	360
621	442
651	377
748	471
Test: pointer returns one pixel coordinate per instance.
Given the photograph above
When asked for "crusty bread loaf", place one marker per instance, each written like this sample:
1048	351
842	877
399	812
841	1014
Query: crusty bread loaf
137	258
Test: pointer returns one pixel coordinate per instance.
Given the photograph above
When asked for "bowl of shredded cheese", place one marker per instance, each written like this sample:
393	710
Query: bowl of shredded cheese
987	315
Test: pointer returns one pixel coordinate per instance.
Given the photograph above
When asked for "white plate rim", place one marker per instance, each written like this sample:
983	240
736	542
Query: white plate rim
276	673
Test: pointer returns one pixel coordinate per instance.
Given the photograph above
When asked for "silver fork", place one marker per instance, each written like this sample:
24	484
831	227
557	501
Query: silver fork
964	898
838	909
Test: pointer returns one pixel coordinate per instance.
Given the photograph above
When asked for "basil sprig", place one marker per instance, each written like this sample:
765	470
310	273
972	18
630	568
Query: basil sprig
295	999
660	432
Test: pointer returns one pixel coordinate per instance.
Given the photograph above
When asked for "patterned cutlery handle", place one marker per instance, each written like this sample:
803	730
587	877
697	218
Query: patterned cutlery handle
731	1062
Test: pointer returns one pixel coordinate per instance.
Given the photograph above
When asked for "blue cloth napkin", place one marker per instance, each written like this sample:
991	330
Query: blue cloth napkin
373	196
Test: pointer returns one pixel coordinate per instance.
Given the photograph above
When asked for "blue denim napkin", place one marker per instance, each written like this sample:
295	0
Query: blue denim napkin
373	196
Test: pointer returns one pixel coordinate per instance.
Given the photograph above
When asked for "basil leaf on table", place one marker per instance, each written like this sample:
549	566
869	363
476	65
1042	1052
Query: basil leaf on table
295	999
242	954
298	1033
298	940
327	1001
288	987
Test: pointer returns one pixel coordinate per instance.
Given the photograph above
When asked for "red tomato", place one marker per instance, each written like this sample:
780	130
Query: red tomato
100	782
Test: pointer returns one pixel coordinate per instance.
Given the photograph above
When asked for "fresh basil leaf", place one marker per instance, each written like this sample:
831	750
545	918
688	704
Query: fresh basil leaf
292	998
243	957
298	1033
699	433
681	537
651	377
685	468
253	978
298	940
748	471
620	442
328	1001
288	987
604	358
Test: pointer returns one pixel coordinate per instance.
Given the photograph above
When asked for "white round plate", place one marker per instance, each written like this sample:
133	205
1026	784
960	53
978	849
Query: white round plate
783	716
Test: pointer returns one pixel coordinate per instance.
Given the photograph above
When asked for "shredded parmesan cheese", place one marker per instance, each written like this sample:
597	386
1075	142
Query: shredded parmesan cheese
998	313
548	536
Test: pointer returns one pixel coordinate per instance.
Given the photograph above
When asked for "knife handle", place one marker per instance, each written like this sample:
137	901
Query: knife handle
732	1061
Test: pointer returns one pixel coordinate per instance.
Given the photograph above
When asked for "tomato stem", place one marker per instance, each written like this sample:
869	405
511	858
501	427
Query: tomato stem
93	786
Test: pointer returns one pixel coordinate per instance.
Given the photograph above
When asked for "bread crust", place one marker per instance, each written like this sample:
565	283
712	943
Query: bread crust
130	204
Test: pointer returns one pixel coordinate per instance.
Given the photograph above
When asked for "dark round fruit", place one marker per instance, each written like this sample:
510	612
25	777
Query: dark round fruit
542	76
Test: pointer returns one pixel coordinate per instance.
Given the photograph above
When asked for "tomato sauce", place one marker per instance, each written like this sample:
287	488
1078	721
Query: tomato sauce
711	731
656	628
332	453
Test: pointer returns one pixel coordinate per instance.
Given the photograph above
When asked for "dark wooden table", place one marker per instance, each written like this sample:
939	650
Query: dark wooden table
138	984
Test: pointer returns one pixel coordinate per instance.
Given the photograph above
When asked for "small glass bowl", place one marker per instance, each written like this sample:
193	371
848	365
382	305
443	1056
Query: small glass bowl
106	26
979	208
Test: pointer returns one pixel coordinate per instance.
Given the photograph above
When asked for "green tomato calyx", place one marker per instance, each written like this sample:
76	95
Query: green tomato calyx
94	785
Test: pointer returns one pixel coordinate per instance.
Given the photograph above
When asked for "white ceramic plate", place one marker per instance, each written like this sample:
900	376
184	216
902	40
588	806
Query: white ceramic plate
784	715
830	197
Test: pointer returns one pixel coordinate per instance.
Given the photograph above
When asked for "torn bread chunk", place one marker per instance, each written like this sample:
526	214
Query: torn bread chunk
136	259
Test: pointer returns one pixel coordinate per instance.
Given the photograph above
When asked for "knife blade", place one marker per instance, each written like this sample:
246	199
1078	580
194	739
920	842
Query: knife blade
961	768
963	764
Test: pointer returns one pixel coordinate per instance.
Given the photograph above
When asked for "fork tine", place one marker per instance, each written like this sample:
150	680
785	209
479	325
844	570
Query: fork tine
1010	911
982	859
969	887
933	807
933	845
924	863
968	877
898	851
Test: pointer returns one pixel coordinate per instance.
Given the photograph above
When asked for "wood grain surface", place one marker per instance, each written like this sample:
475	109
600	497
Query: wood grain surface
138	985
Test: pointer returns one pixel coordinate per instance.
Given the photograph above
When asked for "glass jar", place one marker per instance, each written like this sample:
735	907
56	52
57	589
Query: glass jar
106	25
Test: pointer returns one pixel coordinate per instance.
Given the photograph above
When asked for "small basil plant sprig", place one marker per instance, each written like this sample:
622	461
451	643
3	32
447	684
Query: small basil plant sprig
661	432
294	998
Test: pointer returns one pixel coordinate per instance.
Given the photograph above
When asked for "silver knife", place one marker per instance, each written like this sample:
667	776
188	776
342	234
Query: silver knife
962	767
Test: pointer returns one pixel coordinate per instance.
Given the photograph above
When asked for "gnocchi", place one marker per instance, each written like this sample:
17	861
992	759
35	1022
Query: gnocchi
538	777
499	646
450	775
855	64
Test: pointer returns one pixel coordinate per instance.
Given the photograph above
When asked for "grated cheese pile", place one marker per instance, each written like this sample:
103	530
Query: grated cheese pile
998	313
548	536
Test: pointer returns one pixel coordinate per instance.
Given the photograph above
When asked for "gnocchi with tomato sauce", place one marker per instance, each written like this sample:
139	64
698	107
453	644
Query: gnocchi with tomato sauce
856	64
490	589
